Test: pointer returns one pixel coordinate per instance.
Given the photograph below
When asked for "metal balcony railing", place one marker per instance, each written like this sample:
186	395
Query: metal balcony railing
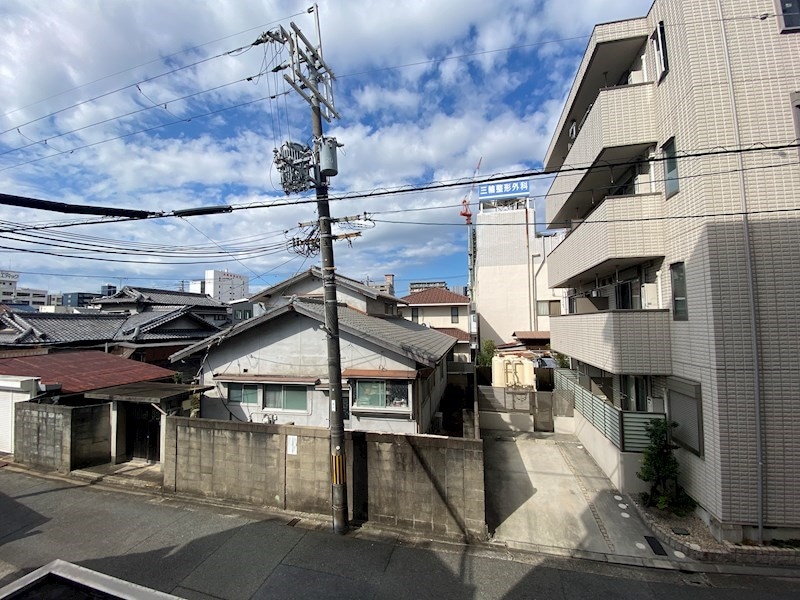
625	429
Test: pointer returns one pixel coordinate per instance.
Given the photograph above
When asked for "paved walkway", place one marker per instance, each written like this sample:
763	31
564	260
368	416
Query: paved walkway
548	494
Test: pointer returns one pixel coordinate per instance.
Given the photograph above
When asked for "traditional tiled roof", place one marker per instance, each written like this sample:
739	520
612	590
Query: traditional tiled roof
154	296
531	335
399	335
341	280
435	295
82	371
459	334
153	325
55	328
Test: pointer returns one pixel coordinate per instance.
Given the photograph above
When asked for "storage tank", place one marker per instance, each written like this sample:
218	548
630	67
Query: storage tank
498	371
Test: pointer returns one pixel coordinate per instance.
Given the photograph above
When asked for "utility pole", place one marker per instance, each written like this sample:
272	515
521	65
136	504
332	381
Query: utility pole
302	168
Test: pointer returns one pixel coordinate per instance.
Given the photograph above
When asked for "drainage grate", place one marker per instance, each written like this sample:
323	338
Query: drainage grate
655	545
293	522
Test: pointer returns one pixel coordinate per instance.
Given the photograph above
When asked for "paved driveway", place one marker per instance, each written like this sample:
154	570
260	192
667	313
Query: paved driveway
549	493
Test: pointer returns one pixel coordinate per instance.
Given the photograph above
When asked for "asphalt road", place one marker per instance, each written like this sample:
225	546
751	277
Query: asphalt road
194	550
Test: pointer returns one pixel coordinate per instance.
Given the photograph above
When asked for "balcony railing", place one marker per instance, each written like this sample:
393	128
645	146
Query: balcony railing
621	117
620	229
625	429
617	341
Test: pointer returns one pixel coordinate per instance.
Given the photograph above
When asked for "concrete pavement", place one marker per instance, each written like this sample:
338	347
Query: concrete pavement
195	550
548	494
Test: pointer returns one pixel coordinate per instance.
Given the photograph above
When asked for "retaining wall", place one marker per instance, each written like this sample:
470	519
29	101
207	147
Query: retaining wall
423	483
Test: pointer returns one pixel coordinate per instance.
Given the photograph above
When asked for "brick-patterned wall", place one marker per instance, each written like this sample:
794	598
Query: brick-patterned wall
426	483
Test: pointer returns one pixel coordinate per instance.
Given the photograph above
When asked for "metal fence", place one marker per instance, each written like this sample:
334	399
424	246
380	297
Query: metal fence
625	429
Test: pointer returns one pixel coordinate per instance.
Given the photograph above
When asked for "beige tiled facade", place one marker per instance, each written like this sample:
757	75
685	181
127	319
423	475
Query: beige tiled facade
734	224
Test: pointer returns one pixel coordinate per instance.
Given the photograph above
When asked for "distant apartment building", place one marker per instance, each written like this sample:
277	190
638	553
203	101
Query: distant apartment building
511	286
79	299
681	263
419	286
387	287
222	285
10	293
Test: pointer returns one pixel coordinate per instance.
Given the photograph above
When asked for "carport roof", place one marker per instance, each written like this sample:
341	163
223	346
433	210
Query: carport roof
147	392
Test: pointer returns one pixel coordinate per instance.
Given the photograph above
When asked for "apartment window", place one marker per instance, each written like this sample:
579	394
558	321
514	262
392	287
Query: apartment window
686	409
548	308
671	181
680	307
415	315
286	397
243	393
658	41
454	314
789	15
381	394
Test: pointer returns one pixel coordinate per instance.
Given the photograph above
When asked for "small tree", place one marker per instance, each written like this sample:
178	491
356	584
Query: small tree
486	354
659	465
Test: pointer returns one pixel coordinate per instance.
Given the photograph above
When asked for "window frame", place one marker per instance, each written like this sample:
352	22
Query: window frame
672	183
356	394
284	386
242	385
677	390
454	316
680	302
658	42
781	14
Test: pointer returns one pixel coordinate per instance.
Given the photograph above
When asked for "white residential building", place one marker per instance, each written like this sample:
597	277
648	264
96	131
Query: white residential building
682	260
511	285
222	285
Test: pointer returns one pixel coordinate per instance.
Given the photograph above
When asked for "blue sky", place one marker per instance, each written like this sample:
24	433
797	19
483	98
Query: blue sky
141	104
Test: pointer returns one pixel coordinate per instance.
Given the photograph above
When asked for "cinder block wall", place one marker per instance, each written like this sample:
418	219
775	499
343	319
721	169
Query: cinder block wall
42	436
62	438
424	483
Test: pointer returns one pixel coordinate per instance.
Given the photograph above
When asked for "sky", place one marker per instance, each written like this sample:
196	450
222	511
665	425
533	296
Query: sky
168	106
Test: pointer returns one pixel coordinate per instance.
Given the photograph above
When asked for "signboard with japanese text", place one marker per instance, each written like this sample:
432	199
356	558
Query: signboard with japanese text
504	189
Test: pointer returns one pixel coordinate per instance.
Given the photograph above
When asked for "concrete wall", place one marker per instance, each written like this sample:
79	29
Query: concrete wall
426	483
62	438
619	467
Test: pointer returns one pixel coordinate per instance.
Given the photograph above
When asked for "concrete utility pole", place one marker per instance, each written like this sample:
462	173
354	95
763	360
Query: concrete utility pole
311	78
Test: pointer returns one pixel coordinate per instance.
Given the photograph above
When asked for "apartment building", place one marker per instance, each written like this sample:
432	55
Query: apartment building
511	282
681	262
222	285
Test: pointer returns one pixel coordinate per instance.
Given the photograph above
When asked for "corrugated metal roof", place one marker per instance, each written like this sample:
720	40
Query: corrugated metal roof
435	295
82	371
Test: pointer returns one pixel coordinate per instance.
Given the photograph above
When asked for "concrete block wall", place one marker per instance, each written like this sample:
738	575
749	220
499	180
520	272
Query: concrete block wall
424	483
62	438
42	436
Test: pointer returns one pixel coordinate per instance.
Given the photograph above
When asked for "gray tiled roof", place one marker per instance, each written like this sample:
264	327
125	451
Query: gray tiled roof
49	328
161	297
153	325
393	333
341	280
423	343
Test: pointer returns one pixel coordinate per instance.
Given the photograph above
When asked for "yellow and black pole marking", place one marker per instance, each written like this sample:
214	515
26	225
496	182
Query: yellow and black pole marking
337	469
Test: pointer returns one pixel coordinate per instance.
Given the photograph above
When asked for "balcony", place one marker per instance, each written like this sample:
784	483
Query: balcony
616	235
634	342
617	129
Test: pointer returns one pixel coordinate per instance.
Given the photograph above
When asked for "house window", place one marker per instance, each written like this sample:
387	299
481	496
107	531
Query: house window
286	397
680	307
243	393
388	308
381	393
415	315
658	41
789	15
671	182
548	308
454	314
686	409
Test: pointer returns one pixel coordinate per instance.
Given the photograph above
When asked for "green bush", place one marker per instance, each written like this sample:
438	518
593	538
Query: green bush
486	354
660	469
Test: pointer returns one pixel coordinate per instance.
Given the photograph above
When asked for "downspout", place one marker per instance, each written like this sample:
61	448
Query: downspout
531	310
751	296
